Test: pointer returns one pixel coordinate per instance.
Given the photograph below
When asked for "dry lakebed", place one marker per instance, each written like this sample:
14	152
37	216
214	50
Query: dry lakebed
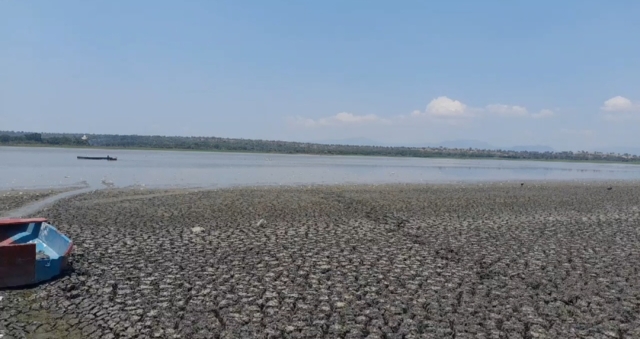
502	260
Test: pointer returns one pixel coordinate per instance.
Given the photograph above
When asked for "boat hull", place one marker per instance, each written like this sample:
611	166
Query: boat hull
97	158
31	251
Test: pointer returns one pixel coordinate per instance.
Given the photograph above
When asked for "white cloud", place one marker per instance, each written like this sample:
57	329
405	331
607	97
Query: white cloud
545	113
343	118
440	109
445	109
619	109
348	118
306	122
506	110
619	104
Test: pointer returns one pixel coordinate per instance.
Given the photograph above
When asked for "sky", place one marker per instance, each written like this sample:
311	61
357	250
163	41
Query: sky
560	73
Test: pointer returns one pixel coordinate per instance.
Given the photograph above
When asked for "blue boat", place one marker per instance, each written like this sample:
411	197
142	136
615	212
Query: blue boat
31	251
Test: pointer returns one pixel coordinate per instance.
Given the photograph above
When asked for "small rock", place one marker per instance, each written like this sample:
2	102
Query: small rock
74	294
197	229
261	222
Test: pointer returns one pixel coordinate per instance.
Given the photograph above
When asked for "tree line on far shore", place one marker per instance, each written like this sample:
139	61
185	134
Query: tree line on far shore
19	138
8	138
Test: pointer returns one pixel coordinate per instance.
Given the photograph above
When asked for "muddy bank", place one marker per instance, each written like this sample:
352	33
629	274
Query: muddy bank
12	199
401	261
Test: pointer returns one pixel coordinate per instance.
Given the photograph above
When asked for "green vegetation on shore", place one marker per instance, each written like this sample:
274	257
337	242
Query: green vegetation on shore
288	147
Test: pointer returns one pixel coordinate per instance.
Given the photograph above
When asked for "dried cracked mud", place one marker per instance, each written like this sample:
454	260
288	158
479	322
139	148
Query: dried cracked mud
449	261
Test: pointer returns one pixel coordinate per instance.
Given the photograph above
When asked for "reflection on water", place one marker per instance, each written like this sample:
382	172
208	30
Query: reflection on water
53	167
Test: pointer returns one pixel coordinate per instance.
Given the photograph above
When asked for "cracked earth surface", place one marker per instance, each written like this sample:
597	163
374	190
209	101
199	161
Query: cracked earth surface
397	261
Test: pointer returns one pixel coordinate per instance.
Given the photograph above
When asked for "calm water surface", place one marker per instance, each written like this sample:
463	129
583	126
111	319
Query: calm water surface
56	167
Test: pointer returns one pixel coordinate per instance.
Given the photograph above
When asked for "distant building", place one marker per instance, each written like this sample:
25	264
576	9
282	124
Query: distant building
84	137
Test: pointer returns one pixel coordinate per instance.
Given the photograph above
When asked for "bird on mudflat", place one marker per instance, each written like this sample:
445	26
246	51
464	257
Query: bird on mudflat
609	188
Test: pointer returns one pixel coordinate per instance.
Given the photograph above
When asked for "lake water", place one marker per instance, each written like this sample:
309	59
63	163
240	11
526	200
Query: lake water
26	168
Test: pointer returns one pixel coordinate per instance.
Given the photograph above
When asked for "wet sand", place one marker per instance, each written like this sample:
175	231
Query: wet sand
399	261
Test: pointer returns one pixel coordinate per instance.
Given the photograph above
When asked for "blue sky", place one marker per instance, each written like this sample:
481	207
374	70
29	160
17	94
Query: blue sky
559	73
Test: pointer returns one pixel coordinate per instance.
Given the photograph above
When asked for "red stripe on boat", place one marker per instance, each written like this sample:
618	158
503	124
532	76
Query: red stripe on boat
9	222
68	252
7	242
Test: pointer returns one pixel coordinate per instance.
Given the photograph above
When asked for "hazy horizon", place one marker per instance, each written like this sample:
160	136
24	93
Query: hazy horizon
563	75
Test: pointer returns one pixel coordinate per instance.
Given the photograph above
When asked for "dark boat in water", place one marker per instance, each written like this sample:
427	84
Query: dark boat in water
98	158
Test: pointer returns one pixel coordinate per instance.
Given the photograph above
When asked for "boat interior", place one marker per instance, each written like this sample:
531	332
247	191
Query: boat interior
49	243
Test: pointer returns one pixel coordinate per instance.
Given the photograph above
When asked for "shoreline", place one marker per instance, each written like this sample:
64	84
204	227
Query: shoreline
345	183
37	195
107	148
